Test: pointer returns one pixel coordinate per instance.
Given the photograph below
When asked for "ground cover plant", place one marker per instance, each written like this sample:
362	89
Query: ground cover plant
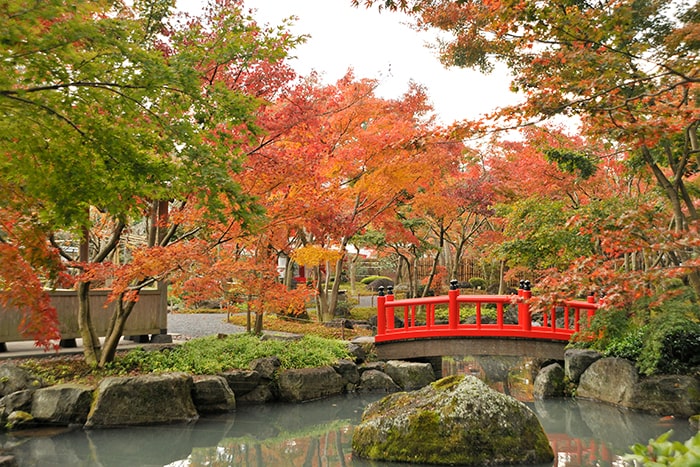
205	355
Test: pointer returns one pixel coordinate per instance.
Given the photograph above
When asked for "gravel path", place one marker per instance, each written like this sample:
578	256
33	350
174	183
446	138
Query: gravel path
184	326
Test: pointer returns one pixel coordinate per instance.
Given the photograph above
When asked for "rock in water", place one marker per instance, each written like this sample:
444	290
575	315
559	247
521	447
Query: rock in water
457	420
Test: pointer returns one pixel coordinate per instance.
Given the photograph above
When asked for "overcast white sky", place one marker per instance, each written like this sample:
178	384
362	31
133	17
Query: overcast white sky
380	46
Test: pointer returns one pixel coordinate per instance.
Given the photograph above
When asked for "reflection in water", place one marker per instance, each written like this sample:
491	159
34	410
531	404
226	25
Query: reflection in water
318	434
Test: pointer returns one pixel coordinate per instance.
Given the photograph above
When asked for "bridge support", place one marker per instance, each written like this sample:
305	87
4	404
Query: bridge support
416	349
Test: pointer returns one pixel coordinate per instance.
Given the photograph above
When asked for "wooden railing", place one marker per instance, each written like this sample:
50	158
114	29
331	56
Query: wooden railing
417	315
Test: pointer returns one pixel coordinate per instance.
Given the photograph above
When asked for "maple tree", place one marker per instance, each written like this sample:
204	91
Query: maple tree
241	275
441	221
626	69
335	158
538	188
113	116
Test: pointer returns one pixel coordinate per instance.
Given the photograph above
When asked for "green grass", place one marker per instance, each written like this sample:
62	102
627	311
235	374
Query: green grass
211	355
201	356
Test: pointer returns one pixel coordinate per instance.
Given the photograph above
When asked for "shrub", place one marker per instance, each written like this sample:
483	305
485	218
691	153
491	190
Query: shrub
381	282
211	355
363	313
477	283
369	279
608	327
671	347
421	288
342	308
628	346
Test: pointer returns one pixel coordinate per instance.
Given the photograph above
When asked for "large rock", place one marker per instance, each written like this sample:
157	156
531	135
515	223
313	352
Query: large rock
576	361
348	370
267	367
266	389
212	394
242	381
357	351
378	365
612	380
457	420
668	395
143	400
309	383
549	382
14	378
20	400
376	381
63	404
261	394
410	375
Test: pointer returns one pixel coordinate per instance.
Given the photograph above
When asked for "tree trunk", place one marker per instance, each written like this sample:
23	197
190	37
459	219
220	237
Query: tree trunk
289	274
258	323
321	296
399	270
248	317
413	274
115	331
91	342
352	270
333	299
433	270
501	278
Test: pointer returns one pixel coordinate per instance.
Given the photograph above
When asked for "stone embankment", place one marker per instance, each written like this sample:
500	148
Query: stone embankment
183	398
616	381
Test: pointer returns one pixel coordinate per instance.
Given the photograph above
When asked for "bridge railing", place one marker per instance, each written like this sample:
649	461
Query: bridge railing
514	317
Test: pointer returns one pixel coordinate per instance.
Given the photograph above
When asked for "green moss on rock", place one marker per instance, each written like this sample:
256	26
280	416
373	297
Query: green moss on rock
457	420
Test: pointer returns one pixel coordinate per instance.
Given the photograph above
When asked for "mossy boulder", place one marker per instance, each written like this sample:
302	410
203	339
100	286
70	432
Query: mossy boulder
457	420
143	400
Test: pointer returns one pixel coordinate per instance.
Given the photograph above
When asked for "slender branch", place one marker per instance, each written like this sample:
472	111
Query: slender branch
112	243
47	109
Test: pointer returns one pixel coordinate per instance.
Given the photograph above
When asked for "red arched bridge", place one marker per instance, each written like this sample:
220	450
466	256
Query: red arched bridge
408	328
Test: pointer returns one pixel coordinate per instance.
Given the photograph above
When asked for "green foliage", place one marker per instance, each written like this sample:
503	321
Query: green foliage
609	326
628	346
672	345
211	355
662	452
342	308
466	312
477	283
574	162
363	313
660	339
539	236
92	108
369	279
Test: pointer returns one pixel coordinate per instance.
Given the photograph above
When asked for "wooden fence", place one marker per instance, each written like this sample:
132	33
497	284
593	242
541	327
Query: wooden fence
149	315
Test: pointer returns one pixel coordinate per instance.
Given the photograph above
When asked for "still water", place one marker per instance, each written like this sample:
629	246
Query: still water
319	433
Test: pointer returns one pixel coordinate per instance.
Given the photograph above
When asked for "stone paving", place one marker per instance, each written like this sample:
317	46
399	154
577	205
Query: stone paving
184	326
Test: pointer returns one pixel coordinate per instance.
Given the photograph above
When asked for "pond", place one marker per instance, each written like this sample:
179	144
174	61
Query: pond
319	433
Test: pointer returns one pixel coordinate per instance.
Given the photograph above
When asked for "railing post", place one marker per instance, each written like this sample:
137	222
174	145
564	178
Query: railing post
590	313
524	294
381	312
390	310
453	307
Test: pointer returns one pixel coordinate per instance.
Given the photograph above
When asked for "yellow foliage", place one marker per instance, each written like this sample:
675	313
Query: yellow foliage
313	255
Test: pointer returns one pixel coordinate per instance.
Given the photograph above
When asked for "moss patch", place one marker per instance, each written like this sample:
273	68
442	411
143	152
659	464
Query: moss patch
457	420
